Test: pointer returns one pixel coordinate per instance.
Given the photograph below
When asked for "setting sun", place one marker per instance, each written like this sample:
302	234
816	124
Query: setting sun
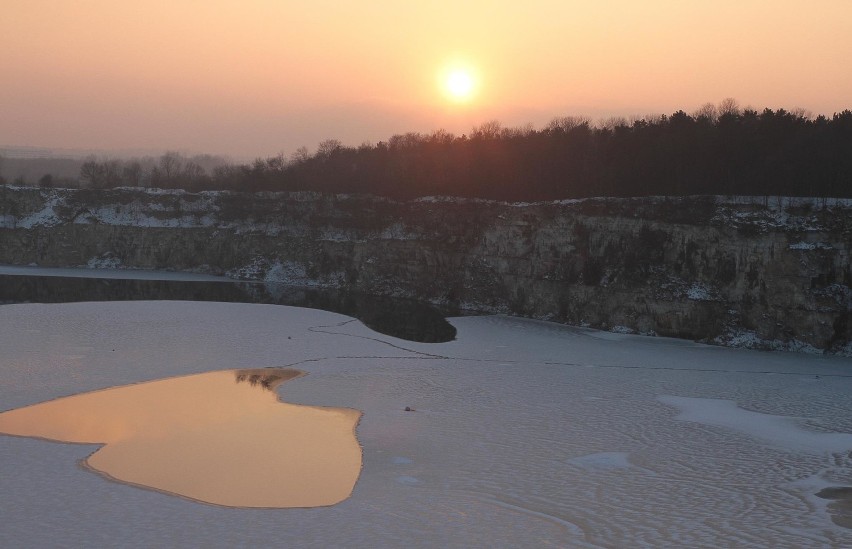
459	84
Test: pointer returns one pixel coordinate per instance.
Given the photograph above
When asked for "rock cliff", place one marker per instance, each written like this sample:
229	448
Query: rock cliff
768	273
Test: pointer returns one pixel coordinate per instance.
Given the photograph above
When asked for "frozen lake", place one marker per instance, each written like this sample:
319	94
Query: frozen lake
526	434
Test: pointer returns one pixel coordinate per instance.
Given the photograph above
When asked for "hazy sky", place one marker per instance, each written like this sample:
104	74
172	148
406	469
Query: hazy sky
254	78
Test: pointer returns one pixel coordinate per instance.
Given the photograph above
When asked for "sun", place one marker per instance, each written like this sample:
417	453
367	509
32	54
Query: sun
459	84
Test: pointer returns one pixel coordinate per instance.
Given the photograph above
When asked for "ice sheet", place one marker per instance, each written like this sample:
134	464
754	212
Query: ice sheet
525	433
784	432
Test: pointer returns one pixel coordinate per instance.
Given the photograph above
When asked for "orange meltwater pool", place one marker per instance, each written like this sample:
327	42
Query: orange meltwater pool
220	437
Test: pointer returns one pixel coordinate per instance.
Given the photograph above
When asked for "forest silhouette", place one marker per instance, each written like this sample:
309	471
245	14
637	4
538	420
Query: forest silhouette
722	150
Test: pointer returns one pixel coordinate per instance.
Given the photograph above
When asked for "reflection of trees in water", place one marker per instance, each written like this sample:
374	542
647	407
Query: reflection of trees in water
267	381
266	378
405	319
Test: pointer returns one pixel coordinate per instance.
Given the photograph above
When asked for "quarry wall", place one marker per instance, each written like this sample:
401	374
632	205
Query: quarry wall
756	272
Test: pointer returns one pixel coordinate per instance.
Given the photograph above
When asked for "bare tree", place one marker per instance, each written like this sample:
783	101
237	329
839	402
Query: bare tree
328	147
802	113
612	122
170	166
111	173
277	163
300	155
405	141
192	172
654	118
442	137
519	131
707	111
92	173
566	123
131	173
728	107
487	130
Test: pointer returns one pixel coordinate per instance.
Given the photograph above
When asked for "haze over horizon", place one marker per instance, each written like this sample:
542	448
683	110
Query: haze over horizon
263	77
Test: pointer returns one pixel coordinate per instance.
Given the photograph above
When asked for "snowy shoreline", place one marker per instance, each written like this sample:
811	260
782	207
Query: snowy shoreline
734	338
758	272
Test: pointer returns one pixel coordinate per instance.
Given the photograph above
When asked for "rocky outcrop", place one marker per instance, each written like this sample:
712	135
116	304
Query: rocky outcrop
765	273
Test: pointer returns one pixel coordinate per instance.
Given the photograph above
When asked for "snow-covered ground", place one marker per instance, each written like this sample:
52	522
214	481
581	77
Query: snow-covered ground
525	434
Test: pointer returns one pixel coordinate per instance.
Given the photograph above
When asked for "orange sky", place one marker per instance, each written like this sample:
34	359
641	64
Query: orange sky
255	78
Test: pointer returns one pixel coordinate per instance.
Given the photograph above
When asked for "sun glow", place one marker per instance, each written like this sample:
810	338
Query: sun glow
459	84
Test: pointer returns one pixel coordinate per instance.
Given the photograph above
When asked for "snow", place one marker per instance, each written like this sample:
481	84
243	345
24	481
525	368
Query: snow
748	339
295	273
700	292
288	272
810	246
169	208
525	434
779	213
441	199
46	217
783	432
338	235
397	231
106	261
780	202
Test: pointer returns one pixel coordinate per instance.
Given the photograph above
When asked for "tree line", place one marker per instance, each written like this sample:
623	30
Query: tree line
718	149
170	170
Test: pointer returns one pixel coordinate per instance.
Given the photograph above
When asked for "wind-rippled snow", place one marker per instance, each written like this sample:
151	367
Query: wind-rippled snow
525	434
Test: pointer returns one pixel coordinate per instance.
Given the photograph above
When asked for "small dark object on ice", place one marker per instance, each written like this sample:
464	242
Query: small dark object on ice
409	409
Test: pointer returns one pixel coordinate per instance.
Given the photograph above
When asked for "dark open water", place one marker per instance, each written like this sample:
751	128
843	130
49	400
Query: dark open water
402	318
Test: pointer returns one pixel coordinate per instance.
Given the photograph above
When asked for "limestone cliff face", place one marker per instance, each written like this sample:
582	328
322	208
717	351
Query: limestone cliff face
760	273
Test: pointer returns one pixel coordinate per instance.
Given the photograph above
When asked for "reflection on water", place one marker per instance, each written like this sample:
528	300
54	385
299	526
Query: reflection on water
267	378
220	437
405	319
